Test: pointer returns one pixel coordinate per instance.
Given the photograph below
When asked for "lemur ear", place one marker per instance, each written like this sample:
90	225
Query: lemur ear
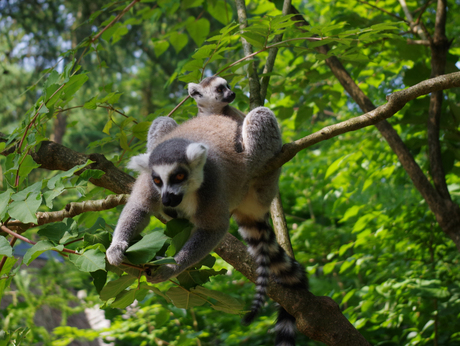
139	163
197	154
194	90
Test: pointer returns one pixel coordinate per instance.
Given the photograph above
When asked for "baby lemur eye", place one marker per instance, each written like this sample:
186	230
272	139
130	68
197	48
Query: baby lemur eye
180	176
157	181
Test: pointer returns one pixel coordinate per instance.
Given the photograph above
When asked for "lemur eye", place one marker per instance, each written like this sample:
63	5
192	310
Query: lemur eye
220	89
157	181
180	176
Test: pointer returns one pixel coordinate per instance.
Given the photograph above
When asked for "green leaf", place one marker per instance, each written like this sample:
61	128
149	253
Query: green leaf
178	241
198	30
346	264
159	47
91	104
40	248
348	296
178	40
185	4
53	78
89	261
24	211
27	166
184	299
5	247
50	195
113	288
224	302
145	249
97	238
4	200
53	231
351	212
73	85
335	166
220	10
89	174
6	275
344	248
52	182
99	279
328	267
175	226
123	299
254	39
141	130
107	127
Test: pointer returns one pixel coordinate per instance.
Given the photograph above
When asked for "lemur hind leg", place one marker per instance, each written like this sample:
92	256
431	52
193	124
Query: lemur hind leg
261	136
159	127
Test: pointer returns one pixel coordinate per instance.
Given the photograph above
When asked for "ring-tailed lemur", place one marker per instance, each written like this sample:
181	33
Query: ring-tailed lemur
213	96
194	171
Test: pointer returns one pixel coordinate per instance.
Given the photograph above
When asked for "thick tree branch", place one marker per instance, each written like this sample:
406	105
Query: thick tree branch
319	318
439	48
54	156
396	101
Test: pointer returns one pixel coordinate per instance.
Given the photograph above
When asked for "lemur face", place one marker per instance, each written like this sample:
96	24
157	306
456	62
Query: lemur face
177	170
211	90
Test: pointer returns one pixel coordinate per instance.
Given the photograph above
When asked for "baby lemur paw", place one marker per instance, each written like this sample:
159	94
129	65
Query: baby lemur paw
116	252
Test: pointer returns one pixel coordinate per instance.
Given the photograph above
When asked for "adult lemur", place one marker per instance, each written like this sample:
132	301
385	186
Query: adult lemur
195	171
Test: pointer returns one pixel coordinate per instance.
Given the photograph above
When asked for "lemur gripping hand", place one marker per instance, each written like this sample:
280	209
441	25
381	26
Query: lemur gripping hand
115	253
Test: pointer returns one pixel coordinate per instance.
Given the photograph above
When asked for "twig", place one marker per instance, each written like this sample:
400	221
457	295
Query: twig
20	237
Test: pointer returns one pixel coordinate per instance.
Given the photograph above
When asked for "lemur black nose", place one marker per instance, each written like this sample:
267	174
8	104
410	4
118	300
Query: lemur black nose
171	199
229	97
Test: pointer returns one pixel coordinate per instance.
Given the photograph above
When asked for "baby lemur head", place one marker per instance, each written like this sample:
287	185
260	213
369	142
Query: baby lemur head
212	94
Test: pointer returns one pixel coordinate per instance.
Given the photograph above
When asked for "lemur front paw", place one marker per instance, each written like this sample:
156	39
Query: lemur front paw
163	273
116	252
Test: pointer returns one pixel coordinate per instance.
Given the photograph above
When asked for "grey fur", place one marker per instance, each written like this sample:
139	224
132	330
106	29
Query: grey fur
213	96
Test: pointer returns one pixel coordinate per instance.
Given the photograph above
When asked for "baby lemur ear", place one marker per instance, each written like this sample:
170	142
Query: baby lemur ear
194	90
197	154
139	163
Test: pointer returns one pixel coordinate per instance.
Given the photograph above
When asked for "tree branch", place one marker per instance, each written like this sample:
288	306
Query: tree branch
272	53
54	156
396	101
254	85
439	48
319	318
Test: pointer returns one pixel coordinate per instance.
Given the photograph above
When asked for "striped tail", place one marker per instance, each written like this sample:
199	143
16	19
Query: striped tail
271	258
289	273
258	235
285	329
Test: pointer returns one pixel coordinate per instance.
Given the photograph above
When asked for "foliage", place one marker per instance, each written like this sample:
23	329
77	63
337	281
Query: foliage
364	233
